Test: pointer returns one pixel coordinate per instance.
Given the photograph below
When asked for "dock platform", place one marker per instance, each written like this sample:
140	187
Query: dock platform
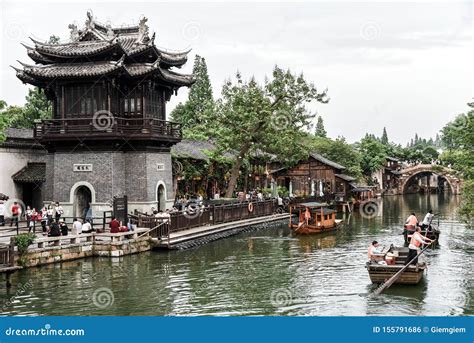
201	235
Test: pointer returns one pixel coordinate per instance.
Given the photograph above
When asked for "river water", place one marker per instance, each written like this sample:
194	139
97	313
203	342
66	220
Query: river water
264	272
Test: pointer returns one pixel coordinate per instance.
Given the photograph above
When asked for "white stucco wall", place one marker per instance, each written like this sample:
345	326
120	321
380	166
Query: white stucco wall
13	160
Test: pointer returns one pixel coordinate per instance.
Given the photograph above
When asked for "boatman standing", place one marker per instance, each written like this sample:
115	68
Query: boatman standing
411	222
417	239
426	223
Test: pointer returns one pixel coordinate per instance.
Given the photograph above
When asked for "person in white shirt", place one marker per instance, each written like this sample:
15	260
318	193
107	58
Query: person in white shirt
373	252
427	220
58	211
2	213
86	227
76	227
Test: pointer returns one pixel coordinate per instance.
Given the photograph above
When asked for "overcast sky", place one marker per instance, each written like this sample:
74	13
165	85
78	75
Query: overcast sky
406	66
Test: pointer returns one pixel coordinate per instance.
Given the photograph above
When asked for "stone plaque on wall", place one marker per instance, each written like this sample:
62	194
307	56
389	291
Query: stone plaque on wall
160	166
82	167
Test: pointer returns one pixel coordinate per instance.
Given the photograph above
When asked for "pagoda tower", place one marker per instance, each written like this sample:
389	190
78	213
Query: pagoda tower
108	135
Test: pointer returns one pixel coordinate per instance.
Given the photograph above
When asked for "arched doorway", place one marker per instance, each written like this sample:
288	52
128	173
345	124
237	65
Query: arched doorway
161	197
82	200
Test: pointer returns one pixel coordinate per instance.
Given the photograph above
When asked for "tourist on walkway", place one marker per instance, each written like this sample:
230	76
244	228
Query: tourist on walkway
411	222
16	212
114	225
49	215
54	230
31	218
44	219
58	211
86	227
63	227
88	213
76	227
414	247
2	213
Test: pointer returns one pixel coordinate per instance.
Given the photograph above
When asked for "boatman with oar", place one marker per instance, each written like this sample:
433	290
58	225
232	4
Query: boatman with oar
417	239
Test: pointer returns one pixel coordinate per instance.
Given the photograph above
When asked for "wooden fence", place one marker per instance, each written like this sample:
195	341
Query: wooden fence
204	215
183	220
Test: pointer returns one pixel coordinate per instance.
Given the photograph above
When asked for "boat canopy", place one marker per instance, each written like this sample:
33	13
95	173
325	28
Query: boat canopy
311	204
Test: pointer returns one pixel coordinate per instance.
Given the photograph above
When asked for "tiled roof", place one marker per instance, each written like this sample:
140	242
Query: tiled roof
60	70
90	51
73	49
34	172
345	177
197	150
326	161
18	133
192	149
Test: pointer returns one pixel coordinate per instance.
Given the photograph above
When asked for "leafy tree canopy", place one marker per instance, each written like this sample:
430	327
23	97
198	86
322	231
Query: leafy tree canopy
195	115
320	130
270	118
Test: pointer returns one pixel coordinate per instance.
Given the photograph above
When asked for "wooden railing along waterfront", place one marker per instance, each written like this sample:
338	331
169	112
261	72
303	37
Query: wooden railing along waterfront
202	216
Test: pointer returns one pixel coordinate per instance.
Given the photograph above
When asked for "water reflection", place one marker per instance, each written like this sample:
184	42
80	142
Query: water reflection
265	272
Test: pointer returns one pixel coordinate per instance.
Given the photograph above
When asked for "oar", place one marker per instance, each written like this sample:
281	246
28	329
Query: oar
395	277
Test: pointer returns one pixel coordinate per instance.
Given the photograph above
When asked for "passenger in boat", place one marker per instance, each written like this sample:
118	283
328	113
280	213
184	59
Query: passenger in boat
411	222
374	252
417	239
426	223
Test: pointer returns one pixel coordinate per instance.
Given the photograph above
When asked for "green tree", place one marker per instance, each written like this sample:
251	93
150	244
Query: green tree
194	115
320	130
384	138
269	117
339	151
37	106
458	138
372	153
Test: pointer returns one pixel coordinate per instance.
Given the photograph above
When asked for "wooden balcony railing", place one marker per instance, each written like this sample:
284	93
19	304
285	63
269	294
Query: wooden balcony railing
107	127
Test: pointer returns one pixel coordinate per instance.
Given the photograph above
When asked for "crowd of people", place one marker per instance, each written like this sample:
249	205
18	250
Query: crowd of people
49	218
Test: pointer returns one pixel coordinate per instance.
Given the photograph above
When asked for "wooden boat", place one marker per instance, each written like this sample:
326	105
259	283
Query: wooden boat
432	233
395	258
313	217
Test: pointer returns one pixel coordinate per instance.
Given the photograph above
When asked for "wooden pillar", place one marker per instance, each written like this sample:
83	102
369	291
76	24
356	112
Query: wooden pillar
62	103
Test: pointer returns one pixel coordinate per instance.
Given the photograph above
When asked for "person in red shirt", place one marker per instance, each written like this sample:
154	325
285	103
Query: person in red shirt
114	225
15	213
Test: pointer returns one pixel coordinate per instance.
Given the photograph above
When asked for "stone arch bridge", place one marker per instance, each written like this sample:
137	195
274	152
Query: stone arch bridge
446	175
